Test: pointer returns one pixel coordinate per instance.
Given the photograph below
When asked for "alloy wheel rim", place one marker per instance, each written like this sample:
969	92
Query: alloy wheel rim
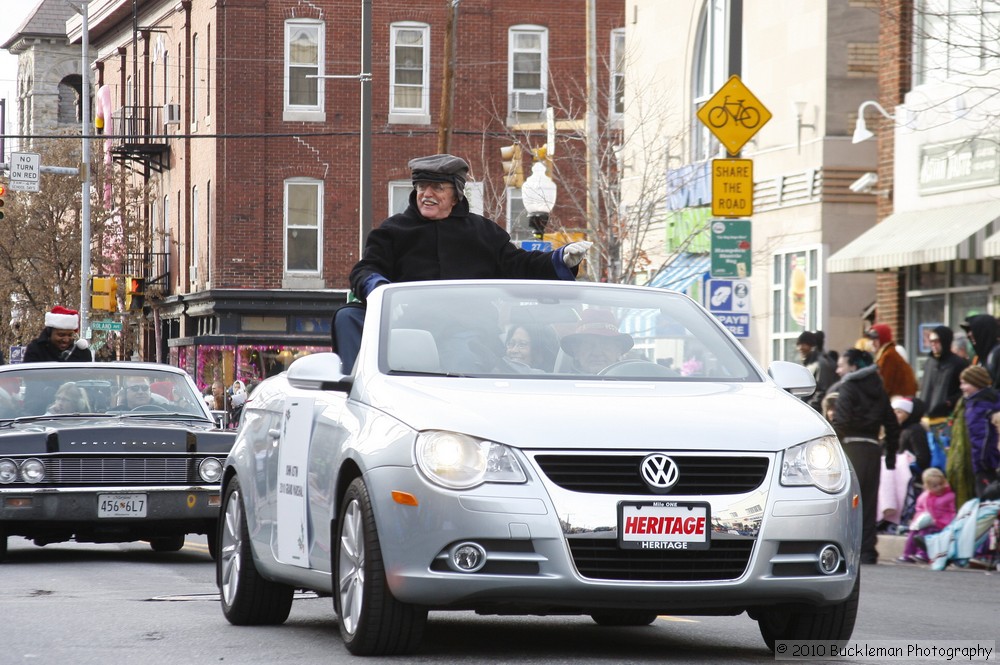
230	547
351	567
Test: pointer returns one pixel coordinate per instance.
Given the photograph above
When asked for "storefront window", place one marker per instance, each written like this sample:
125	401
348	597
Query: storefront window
795	299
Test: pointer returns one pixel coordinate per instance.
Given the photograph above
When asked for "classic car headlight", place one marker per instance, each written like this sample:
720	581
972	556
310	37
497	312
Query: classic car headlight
458	461
819	462
32	471
8	471
210	470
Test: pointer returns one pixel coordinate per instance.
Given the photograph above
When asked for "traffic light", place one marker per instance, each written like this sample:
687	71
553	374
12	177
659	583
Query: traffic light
513	167
542	155
135	293
3	191
103	294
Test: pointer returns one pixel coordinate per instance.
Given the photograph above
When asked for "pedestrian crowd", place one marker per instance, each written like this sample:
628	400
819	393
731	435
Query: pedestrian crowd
926	453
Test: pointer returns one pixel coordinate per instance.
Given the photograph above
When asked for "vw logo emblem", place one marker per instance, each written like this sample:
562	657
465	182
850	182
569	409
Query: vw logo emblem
659	471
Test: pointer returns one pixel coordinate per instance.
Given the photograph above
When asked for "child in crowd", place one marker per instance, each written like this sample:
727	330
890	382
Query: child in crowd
935	509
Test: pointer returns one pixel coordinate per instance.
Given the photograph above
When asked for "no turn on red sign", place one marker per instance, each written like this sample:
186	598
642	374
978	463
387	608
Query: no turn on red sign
24	171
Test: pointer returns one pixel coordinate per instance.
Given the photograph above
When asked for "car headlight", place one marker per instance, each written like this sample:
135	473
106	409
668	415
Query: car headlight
8	471
458	461
820	462
32	471
210	470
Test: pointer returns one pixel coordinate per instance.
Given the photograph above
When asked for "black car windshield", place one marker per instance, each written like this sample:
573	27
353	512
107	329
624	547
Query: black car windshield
554	330
28	391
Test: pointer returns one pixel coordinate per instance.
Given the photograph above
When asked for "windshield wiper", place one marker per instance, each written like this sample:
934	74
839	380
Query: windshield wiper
51	416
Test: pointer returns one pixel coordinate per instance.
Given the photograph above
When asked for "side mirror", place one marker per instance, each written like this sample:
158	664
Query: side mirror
793	377
319	371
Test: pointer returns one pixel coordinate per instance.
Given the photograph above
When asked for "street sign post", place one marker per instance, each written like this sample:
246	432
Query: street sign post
732	187
733	114
24	170
106	325
729	301
731	255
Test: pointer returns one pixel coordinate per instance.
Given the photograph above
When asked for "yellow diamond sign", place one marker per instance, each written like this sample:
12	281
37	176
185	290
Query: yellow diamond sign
733	114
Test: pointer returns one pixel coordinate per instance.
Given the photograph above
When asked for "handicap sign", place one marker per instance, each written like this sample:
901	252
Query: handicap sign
729	301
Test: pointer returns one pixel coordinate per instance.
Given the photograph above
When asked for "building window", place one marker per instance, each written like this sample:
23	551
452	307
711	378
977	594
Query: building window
795	299
711	69
70	100
303	225
164	219
194	235
166	69
517	216
399	196
955	37
409	70
208	72
527	69
207	264
303	59
616	93
194	82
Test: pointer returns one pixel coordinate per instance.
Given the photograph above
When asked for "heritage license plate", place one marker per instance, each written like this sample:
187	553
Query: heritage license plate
663	525
121	505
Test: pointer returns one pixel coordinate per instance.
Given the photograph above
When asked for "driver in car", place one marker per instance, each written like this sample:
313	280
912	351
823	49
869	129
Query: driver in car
596	344
136	393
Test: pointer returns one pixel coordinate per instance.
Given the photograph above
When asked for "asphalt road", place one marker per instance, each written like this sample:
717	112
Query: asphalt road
105	604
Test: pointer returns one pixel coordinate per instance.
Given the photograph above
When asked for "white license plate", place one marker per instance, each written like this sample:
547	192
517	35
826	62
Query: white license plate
664	525
121	505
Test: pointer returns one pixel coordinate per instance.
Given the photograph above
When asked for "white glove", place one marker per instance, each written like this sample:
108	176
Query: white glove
573	252
82	344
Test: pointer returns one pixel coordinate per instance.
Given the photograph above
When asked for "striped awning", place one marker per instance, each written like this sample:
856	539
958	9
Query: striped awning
920	236
679	276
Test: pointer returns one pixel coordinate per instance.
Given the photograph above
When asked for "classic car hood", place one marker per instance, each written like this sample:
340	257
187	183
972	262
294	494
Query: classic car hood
596	414
112	435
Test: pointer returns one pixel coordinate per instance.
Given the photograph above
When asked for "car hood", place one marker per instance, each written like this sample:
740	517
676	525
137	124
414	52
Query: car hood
113	435
598	414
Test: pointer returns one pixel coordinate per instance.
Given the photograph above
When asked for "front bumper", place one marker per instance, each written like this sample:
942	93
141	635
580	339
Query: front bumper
540	546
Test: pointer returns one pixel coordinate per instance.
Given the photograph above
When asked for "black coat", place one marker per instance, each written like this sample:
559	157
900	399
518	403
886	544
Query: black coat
863	408
409	247
939	386
41	350
824	370
913	436
983	328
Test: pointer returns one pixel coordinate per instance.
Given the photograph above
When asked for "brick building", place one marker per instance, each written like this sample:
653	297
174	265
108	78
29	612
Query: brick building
251	157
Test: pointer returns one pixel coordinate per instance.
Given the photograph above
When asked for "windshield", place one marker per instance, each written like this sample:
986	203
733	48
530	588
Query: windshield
83	388
555	330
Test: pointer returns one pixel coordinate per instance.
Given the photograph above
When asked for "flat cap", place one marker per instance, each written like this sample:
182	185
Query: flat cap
441	168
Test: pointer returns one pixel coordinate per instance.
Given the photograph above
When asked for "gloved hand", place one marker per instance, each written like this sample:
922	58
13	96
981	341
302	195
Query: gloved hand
573	252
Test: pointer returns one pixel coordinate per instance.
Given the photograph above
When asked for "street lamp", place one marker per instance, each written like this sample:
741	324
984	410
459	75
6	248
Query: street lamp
538	194
861	131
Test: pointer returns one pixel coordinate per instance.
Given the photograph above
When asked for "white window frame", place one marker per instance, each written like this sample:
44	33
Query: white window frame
514	207
193	83
193	254
783	335
399	193
410	116
305	112
543	50
318	227
616	72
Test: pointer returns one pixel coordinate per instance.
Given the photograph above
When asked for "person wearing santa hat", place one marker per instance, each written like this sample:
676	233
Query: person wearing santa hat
57	342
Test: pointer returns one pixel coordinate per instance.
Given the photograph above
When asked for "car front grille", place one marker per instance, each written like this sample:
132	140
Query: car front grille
602	559
619	474
117	470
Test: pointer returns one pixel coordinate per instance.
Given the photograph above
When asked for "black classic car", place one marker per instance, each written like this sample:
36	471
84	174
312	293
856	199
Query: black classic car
107	452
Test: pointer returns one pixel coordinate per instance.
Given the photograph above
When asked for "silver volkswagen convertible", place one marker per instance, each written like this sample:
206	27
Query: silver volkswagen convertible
530	447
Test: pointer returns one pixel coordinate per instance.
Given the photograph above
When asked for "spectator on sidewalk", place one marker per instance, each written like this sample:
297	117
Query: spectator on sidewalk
982	332
823	369
934	510
897	375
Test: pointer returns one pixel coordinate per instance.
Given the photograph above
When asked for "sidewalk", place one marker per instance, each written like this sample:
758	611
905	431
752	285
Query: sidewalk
889	547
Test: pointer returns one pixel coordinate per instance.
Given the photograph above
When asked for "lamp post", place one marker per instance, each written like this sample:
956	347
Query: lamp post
538	193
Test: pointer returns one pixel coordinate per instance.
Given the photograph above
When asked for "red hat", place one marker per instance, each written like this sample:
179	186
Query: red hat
62	318
880	331
600	323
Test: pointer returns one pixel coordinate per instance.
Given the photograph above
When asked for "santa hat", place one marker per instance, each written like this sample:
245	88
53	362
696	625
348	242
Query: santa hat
62	318
902	404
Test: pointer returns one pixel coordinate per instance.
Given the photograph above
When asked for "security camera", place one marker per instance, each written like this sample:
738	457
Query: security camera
864	184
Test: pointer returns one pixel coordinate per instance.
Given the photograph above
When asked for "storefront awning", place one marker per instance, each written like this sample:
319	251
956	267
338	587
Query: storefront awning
991	246
680	275
919	236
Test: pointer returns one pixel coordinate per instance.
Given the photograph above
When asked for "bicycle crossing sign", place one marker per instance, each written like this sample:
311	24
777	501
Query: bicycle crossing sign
733	114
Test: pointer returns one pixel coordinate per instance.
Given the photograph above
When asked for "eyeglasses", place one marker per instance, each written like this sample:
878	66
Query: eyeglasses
139	388
518	344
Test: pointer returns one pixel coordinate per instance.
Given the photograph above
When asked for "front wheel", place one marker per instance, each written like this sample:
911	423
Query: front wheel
3	543
830	623
372	621
247	598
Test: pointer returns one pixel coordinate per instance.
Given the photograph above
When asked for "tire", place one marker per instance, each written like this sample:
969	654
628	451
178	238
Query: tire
167	543
3	543
718	116
372	621
213	542
831	623
624	618
247	598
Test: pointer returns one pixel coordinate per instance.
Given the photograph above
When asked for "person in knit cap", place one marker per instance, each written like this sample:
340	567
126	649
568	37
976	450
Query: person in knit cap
58	340
823	368
981	400
897	375
438	237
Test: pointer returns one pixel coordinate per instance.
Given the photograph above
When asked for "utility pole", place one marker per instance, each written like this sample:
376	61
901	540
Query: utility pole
365	194
82	10
448	80
593	202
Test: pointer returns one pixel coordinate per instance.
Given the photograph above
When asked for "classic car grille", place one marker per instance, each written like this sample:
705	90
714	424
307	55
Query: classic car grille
619	474
602	559
117	470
